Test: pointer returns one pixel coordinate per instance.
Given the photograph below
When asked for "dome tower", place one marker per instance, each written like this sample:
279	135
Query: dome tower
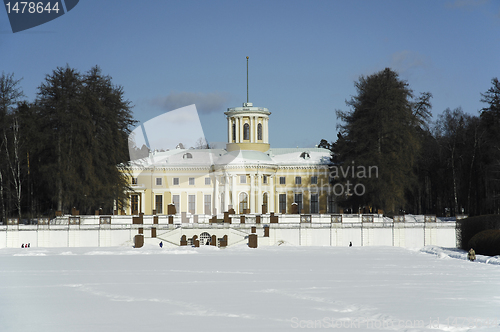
247	127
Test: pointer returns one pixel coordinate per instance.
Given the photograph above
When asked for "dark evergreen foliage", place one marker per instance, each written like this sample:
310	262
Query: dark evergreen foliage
486	242
467	228
382	129
85	123
490	157
67	149
455	161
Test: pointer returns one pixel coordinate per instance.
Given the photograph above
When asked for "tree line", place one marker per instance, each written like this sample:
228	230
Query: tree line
61	151
450	166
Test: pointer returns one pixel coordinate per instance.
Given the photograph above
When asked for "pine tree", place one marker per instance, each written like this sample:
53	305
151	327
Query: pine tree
59	117
111	122
84	125
490	122
381	130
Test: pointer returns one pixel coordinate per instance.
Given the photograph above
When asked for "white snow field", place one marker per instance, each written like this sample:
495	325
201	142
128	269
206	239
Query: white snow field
281	288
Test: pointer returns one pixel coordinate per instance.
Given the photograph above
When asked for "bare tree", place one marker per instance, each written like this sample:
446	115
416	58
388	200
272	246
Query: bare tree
202	143
14	161
10	94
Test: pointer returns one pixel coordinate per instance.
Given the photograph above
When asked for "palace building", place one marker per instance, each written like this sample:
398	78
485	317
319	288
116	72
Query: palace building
248	175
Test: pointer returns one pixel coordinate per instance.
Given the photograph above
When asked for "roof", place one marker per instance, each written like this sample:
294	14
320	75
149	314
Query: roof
209	157
300	156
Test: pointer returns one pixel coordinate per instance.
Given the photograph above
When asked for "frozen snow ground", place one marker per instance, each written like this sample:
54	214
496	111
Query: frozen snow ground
240	289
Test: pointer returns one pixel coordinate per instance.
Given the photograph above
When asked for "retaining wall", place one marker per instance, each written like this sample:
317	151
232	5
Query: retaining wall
315	230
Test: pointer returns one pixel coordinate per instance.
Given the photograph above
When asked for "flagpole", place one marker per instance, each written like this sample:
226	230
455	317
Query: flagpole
247	79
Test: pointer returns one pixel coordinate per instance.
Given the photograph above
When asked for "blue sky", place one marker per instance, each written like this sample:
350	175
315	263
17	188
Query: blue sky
304	55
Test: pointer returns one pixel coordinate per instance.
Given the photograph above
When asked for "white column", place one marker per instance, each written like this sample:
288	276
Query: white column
143	202
241	128
251	129
255	121
254	134
256	130
226	192
229	134
272	192
259	193
233	190
251	197
267	130
250	121
237	128
216	196
264	129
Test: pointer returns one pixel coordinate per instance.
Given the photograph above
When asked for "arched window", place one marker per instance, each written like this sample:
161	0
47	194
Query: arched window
246	131
234	132
205	238
243	202
259	131
187	156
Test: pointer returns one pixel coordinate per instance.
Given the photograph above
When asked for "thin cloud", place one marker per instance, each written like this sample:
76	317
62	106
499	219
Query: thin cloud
205	102
405	61
466	3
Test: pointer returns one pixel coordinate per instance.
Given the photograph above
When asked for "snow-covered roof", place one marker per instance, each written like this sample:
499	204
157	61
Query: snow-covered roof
245	157
207	157
300	156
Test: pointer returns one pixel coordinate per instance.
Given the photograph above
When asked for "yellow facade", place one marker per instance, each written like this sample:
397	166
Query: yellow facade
248	175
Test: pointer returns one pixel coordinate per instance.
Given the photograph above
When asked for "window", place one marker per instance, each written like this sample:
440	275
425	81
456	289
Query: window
207	181
176	181
176	200
314	180
159	204
282	180
264	179
243	179
264	200
208	204
222	205
158	181
187	156
134	204
331	204
191	203
298	180
314	203
205	239
305	155
234	132
282	203
243	202
246	131
298	200
191	181
134	180
259	132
